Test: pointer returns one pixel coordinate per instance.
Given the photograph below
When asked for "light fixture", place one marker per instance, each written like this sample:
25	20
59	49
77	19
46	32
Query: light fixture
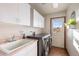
55	5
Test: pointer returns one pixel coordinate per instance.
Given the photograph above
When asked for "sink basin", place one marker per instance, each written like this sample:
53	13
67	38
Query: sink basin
11	46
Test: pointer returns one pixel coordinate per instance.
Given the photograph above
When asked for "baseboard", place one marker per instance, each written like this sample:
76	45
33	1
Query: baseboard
58	47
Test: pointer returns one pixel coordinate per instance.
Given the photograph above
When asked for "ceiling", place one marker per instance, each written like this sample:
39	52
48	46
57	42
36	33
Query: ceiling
47	8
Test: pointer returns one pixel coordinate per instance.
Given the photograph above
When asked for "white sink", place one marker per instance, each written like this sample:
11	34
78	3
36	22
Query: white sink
11	46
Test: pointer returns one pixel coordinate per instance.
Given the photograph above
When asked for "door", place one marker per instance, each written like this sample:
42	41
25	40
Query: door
57	31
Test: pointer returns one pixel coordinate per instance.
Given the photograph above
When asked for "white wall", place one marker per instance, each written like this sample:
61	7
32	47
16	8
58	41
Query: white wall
47	20
69	42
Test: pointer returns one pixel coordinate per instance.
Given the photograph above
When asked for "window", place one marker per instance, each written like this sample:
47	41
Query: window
58	23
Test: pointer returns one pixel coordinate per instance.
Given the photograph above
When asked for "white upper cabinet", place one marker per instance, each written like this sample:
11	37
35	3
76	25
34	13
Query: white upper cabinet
24	14
35	18
8	12
20	13
38	19
16	13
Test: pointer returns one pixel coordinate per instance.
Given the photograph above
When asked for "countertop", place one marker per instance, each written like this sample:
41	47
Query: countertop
38	36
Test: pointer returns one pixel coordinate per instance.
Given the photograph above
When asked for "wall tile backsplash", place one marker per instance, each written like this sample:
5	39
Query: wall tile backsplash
8	30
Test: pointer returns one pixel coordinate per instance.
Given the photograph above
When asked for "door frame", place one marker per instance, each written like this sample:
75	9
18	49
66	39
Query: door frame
64	28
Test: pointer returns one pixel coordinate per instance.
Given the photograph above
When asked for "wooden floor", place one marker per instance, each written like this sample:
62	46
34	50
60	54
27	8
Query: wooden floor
55	51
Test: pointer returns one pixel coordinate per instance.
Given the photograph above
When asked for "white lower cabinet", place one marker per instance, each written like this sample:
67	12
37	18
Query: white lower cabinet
30	50
70	44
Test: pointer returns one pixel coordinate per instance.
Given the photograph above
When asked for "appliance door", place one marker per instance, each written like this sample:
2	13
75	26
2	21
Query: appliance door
46	46
40	47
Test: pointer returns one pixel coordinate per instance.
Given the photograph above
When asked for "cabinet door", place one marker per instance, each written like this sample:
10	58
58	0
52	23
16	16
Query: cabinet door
38	20
35	18
41	21
8	13
24	14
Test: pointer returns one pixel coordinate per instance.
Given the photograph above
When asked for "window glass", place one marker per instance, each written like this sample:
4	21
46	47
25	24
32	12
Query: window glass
57	23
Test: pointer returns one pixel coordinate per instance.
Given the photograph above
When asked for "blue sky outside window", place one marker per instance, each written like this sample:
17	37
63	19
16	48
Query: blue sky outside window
57	23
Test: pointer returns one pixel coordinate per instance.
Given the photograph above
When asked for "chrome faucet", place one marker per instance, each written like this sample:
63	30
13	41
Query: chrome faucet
11	39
